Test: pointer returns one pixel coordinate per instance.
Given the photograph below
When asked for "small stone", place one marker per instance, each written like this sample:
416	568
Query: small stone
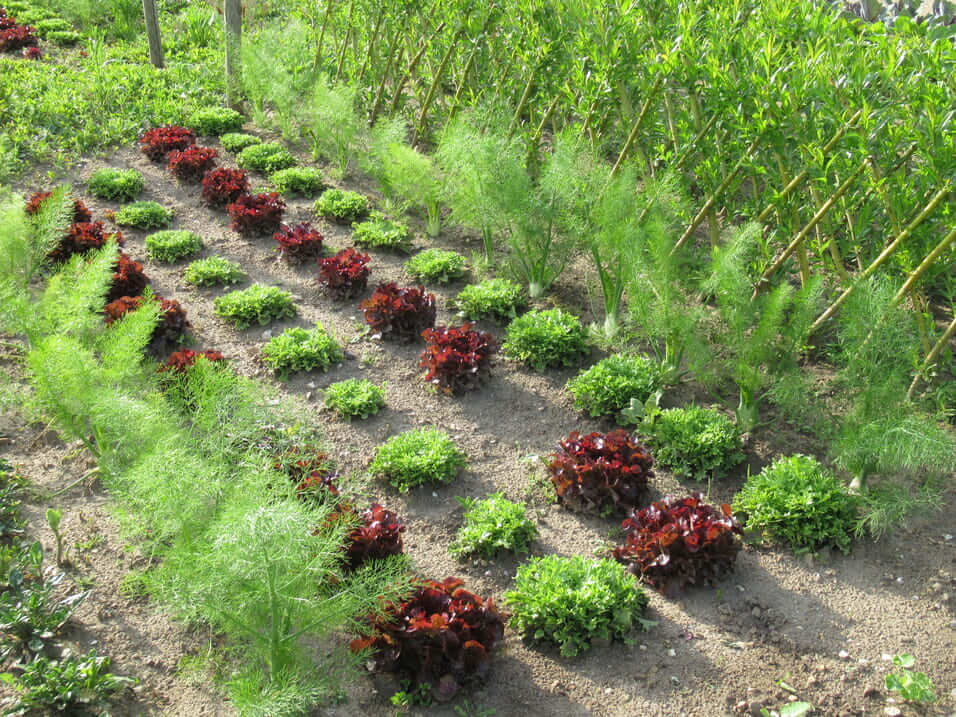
675	679
642	646
434	494
947	537
870	691
892	711
672	652
308	396
487	573
267	334
608	690
899	580
310	384
555	685
540	408
843	655
756	612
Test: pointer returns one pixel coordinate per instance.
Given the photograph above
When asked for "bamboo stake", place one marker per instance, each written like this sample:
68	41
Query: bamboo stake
632	136
396	98
924	265
802	234
802	258
345	42
931	357
801	176
232	16
526	93
436	78
470	62
711	200
372	43
318	45
380	93
919	219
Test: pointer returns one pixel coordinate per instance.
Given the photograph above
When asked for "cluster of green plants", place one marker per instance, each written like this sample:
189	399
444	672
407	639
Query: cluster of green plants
355	398
380	232
697	442
235	142
119	185
171	245
265	157
342	205
491	526
299	349
256	304
545	339
499	299
306	181
437	266
215	121
214	271
609	386
259	572
143	215
416	457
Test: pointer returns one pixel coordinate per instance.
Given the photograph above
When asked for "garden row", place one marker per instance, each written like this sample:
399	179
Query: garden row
672	542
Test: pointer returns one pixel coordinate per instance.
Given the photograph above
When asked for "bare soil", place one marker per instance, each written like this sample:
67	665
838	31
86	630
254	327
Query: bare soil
784	627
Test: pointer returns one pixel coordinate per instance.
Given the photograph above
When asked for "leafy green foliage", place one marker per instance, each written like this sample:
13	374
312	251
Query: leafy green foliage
911	686
334	125
214	121
695	442
609	385
435	265
265	157
144	215
257	304
545	339
380	232
299	349
413	175
213	271
492	525
72	685
498	299
800	502
575	602
423	455
120	185
171	245
342	205
355	398
307	181
235	142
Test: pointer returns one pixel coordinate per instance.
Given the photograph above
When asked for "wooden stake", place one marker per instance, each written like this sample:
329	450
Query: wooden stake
396	98
632	135
931	357
152	33
380	93
233	20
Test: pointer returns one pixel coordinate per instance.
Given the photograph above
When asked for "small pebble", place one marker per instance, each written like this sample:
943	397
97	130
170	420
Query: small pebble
672	652
267	334
900	580
642	646
434	494
892	711
843	655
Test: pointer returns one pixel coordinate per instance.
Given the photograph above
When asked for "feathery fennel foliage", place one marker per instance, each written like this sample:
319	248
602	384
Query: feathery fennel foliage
334	125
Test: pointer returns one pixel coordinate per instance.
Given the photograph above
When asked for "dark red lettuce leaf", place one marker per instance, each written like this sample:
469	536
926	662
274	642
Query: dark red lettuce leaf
599	472
16	37
80	211
169	331
223	186
309	469
379	536
442	636
81	238
254	214
298	244
680	541
399	313
180	361
457	358
156	143
345	275
128	279
190	164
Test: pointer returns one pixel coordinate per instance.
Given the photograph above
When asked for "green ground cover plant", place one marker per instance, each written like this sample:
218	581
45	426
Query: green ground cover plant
695	442
798	501
307	181
355	398
545	339
171	245
380	232
912	686
235	142
119	185
498	299
257	304
436	266
342	205
143	215
491	526
575	602
299	349
265	157
416	457
609	386
214	271
215	121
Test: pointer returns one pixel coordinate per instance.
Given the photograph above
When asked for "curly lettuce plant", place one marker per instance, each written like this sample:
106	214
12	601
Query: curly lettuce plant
190	164
345	275
575	602
298	244
491	526
265	157
307	181
378	535
400	314
118	185
600	473
694	442
457	359
37	200
419	456
82	238
342	206
497	299
223	186
355	398
181	361
144	215
171	245
299	349
213	271
439	638
545	339
214	121
235	142
612	383
128	279
380	232
436	265
156	143
256	214
680	541
257	304
798	501
170	329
